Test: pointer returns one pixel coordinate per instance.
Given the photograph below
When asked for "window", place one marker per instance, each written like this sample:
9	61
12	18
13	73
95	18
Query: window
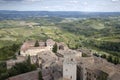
46	67
95	76
71	59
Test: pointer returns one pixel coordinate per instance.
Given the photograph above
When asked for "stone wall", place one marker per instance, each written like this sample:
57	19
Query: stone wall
69	71
33	52
69	65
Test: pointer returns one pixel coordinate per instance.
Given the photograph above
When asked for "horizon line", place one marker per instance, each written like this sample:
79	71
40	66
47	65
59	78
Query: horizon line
61	11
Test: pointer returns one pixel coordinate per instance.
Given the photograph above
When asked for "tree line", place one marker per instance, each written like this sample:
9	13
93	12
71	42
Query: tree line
8	52
18	68
110	58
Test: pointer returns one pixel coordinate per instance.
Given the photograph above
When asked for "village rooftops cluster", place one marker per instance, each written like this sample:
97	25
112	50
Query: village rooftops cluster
95	67
66	64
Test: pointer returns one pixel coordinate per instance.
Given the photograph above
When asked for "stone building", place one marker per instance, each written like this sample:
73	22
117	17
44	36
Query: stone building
50	65
95	68
28	47
69	66
66	64
50	43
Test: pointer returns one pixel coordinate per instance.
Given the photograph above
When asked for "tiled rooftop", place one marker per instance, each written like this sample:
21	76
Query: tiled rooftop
26	76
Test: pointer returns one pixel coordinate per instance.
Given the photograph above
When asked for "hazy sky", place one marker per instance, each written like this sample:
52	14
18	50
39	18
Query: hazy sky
61	5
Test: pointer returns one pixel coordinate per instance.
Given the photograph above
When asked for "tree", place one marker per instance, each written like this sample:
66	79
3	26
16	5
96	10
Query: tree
110	59
3	71
19	52
29	60
76	46
45	44
103	56
40	75
54	48
20	68
8	52
36	44
84	55
116	60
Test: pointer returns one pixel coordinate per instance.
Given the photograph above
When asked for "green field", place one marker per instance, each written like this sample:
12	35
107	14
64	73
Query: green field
95	33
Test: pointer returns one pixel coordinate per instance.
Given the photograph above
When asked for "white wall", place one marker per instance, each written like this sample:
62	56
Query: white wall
33	52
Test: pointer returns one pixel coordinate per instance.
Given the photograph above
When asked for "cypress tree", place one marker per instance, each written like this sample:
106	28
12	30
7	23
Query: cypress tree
40	75
37	44
116	60
54	48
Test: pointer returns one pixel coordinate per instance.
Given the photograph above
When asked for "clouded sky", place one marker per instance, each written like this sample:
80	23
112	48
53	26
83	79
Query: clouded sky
61	5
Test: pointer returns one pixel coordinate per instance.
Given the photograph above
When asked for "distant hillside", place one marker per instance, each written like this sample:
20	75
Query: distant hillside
25	14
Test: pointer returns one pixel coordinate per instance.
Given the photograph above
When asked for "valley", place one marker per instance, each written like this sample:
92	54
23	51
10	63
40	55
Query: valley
101	35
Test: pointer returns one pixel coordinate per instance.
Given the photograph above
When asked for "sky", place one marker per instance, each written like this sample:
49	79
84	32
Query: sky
61	5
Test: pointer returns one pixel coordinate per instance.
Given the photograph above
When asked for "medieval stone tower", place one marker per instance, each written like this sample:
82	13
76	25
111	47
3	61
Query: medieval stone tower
69	66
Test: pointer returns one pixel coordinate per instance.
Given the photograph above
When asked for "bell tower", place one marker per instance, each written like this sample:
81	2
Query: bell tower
69	66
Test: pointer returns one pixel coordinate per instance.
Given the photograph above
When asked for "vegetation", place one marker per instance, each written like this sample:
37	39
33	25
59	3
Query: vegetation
103	56
40	75
110	58
17	69
36	44
55	48
20	68
8	52
84	55
3	71
100	34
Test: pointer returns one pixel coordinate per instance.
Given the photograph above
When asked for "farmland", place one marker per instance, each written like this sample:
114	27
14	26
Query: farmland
101	34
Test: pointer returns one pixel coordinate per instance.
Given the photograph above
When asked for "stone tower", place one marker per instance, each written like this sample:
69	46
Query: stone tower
69	66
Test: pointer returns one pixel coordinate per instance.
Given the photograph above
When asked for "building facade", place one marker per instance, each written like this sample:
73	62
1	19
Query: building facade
28	47
69	66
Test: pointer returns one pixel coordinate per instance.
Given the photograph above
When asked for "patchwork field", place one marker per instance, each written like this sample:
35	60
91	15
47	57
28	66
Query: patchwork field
96	34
